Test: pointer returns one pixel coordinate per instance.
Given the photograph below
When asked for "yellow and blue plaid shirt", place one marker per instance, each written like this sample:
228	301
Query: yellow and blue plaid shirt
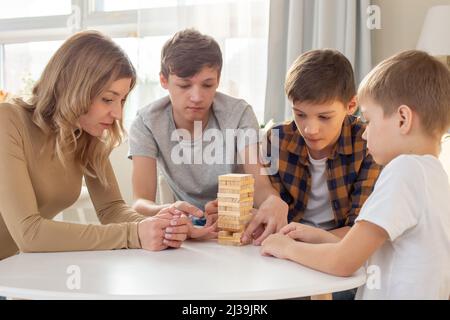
351	171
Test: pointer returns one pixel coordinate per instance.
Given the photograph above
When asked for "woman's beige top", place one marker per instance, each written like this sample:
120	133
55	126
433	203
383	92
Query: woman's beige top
35	187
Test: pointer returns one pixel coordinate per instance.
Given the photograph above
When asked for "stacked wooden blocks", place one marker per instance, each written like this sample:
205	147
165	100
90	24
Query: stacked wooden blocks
235	201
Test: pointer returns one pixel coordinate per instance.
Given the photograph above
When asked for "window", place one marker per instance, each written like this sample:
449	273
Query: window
120	5
140	28
25	62
34	8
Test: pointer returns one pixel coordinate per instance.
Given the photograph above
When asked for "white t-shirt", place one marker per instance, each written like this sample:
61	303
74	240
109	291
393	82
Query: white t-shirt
318	211
411	201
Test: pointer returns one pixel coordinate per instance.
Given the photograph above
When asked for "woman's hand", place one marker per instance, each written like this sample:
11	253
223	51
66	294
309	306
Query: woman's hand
187	209
169	228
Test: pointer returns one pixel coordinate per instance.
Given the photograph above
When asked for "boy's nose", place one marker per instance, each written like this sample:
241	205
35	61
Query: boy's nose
311	129
195	95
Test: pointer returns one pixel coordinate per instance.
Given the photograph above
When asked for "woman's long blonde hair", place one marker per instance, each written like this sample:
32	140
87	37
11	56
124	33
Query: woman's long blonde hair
85	65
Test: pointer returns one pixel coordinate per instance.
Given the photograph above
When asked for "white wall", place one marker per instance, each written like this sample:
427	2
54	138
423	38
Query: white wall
122	168
401	24
83	211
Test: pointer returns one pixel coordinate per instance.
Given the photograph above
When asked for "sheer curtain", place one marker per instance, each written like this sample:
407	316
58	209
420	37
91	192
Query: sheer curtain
239	26
297	26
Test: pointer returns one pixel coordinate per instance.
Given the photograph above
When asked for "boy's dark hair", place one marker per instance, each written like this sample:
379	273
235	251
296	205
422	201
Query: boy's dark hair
412	78
187	52
320	76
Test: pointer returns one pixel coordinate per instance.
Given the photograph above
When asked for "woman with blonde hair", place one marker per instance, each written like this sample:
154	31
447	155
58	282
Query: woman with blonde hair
64	133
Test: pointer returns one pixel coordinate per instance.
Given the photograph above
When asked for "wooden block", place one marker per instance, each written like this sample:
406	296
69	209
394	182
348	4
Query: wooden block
229	242
240	195
235	190
239	210
236	180
237	235
223	223
226	221
229	206
245	204
236	225
235	213
235	202
233	239
235	177
232	228
230	235
237	184
234	198
225	234
234	219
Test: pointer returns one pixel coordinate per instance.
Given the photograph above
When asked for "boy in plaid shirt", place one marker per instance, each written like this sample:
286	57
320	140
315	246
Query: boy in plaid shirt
324	170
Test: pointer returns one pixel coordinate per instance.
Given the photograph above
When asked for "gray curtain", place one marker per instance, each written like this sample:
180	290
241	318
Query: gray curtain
296	26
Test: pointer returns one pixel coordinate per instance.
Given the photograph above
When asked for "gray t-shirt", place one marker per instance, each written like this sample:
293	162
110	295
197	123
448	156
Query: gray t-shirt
191	166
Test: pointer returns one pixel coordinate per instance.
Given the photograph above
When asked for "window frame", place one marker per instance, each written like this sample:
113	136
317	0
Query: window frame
117	24
49	28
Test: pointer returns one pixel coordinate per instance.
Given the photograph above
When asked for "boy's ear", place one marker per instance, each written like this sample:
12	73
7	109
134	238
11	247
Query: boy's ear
405	119
163	81
352	106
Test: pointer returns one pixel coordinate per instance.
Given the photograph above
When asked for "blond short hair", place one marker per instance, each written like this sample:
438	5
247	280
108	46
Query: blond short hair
412	78
85	65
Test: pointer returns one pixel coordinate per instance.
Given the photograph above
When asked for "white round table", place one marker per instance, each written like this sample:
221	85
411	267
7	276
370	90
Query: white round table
197	270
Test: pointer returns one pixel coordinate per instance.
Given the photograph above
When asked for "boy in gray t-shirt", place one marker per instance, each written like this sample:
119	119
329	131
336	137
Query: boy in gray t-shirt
191	181
189	136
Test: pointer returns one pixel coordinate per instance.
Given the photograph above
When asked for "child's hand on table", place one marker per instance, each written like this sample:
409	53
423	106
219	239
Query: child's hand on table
276	245
305	233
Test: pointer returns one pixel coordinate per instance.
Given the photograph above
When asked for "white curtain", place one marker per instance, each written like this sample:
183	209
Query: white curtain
241	29
296	26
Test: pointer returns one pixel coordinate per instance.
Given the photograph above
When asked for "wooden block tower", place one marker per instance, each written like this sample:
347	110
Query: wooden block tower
235	200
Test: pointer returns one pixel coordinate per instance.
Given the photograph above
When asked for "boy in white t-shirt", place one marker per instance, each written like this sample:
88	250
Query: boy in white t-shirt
403	229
